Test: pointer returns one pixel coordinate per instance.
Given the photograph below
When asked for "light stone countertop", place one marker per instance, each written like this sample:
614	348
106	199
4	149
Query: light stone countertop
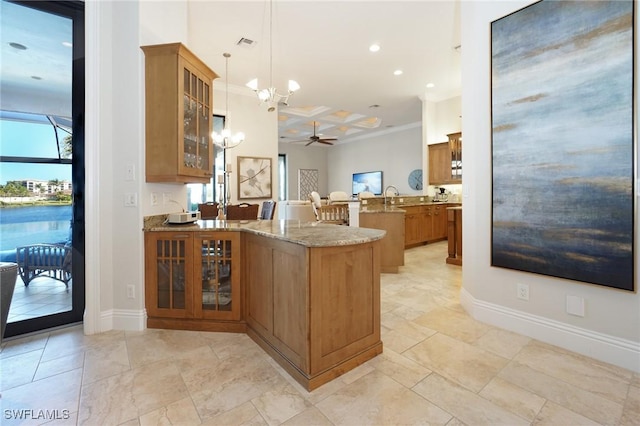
397	208
308	234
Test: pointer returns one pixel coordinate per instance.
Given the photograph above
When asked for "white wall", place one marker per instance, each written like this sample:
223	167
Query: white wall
115	139
395	153
305	157
610	330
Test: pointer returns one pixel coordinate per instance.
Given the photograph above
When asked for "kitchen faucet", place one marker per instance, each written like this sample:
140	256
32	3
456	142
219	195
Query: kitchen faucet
385	192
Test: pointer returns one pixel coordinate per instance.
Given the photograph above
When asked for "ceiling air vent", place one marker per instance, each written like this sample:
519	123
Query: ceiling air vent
245	42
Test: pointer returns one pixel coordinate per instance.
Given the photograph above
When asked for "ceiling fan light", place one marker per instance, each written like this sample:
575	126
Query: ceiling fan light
238	137
226	132
253	85
217	138
293	86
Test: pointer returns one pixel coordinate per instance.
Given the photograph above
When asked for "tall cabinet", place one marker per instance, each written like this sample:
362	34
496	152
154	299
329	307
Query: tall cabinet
178	107
445	161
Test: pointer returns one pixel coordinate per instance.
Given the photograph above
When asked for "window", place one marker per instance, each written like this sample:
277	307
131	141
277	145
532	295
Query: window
282	177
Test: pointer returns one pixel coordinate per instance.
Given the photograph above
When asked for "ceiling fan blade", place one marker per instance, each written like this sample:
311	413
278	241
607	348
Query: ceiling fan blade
310	142
328	139
325	142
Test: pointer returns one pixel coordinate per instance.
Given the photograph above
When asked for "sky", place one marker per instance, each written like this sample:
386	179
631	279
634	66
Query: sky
30	140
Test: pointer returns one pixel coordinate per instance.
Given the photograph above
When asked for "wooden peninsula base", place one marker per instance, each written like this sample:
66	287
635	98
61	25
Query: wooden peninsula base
315	310
307	293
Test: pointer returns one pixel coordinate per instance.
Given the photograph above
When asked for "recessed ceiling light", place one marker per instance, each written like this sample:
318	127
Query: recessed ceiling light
35	77
397	72
374	48
67	44
374	106
430	85
18	46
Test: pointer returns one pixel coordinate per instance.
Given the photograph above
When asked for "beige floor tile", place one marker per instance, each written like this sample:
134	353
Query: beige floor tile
57	393
23	345
453	323
575	399
129	395
465	405
243	415
104	361
279	405
59	365
502	342
631	409
580	371
161	345
179	413
413	330
230	383
309	417
401	369
398	342
513	398
553	415
19	369
456	422
461	362
360	404
72	340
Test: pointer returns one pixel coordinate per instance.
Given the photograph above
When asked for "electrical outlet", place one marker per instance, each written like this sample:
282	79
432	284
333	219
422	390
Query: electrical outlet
401	200
575	305
130	172
364	202
154	198
522	291
131	291
421	198
130	199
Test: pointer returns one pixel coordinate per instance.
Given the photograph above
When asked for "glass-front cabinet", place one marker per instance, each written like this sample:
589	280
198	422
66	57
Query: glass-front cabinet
169	268
192	275
455	148
196	149
178	122
217	285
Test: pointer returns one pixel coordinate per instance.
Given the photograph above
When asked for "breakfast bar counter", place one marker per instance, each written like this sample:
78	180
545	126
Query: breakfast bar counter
308	293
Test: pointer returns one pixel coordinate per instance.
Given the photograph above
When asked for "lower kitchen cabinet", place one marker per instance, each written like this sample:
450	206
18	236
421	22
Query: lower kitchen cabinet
425	223
191	277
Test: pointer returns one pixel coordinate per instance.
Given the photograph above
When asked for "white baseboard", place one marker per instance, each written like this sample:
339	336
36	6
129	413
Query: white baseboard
123	319
613	350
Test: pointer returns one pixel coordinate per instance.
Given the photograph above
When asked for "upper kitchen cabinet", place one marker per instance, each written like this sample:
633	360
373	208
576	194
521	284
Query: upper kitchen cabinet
445	161
178	106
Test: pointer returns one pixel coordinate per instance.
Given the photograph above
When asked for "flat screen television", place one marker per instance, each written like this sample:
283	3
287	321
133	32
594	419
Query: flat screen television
367	181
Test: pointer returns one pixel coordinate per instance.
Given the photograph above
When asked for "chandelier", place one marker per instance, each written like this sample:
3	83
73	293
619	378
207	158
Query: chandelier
270	95
226	139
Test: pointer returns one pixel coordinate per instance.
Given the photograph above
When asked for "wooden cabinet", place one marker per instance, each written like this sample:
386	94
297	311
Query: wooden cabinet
192	276
425	223
445	161
315	310
178	122
392	245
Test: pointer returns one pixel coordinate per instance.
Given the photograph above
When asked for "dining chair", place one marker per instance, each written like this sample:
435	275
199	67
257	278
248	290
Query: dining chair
242	211
208	211
268	210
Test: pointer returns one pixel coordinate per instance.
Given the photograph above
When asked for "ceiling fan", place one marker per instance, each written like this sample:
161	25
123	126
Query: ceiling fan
316	138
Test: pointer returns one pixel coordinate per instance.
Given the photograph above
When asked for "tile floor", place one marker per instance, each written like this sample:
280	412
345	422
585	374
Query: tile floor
43	296
439	366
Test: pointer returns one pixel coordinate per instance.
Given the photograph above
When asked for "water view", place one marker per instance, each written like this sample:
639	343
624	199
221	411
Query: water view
20	226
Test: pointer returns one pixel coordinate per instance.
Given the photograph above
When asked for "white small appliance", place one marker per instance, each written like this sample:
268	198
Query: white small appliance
184	217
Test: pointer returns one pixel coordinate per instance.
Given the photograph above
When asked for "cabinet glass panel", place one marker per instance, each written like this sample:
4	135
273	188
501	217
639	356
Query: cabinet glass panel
171	273
216	275
187	80
203	148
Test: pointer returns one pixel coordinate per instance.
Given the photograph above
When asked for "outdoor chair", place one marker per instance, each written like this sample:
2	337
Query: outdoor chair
48	260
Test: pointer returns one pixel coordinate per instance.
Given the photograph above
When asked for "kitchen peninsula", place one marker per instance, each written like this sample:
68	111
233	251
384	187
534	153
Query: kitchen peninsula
308	293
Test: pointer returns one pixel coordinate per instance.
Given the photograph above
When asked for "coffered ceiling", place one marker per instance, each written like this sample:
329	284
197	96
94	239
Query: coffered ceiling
324	45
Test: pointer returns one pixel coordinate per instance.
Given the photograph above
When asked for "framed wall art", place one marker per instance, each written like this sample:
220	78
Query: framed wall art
307	183
254	177
563	141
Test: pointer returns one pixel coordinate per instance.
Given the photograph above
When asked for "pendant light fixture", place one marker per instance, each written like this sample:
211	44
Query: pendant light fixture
226	139
270	95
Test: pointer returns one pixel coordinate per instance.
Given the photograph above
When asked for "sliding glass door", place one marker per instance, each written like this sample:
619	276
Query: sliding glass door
42	161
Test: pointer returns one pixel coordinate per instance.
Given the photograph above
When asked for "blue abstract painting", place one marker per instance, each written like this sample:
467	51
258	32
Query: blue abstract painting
563	141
